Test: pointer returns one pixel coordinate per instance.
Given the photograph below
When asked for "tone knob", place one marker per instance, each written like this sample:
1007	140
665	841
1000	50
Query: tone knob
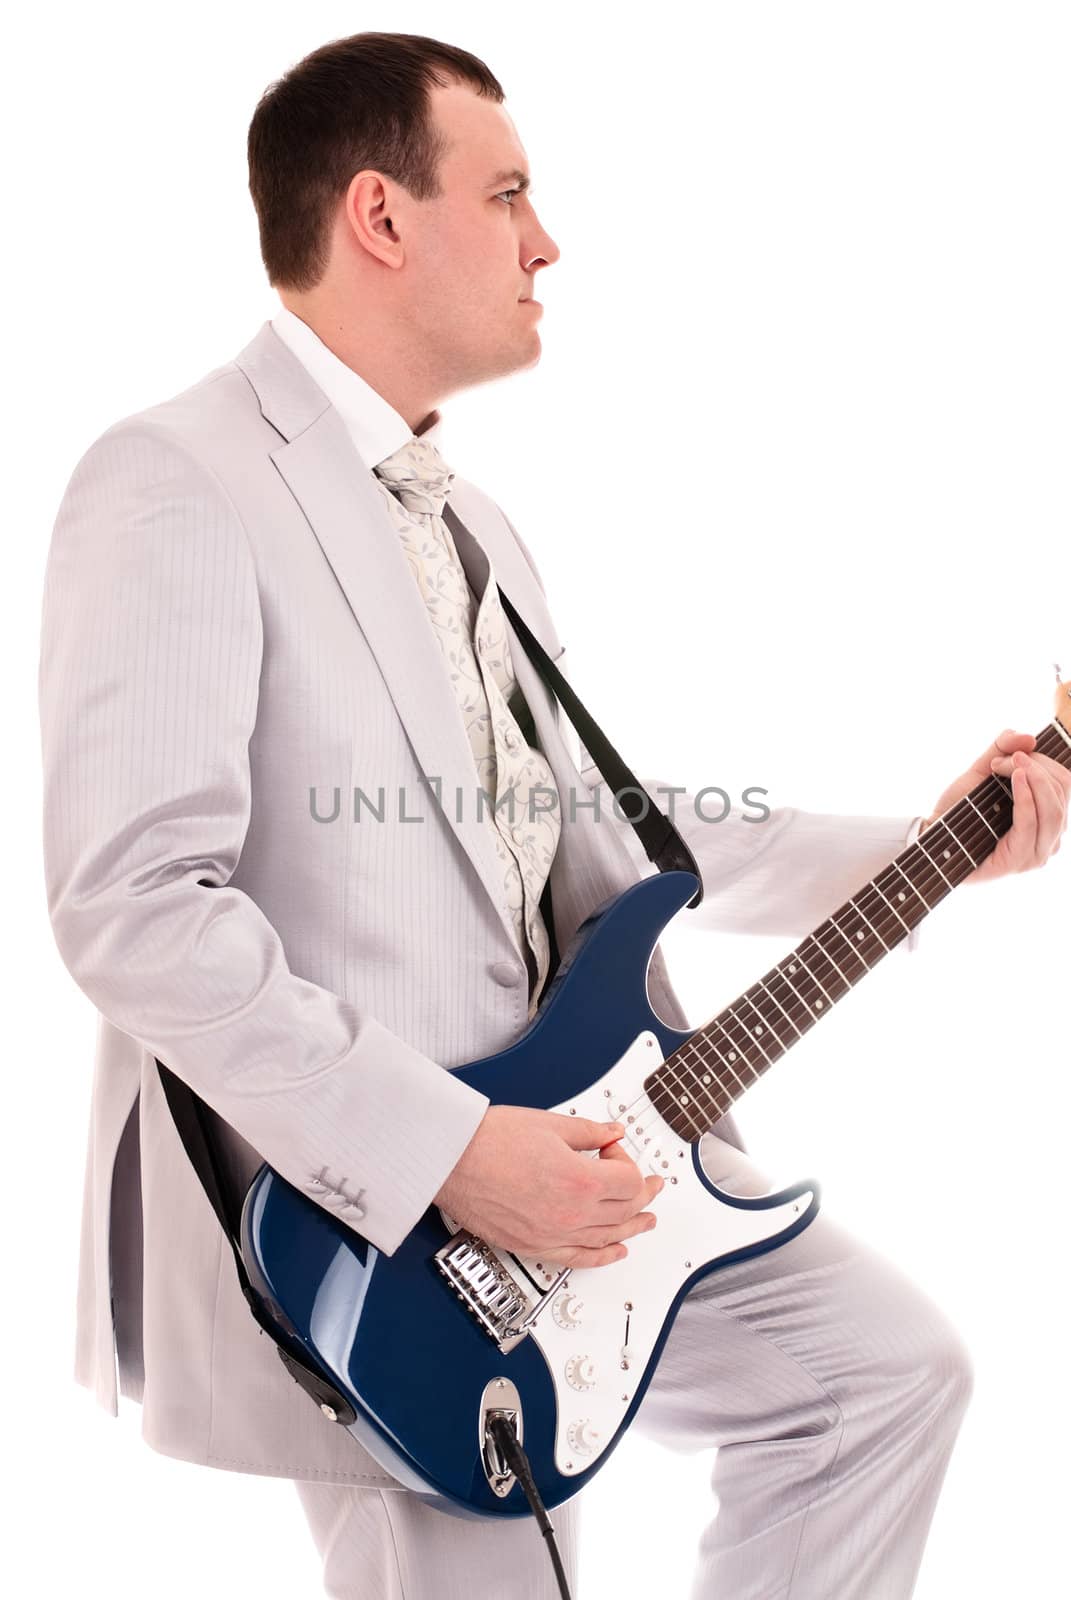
583	1436
566	1310
580	1372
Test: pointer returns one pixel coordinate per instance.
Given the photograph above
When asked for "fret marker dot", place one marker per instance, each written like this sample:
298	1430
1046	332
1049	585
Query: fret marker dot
859	935
792	967
901	895
732	1055
945	855
706	1077
684	1099
758	1029
818	1005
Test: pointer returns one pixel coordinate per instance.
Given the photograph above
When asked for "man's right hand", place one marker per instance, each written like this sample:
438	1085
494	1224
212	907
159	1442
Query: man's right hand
522	1184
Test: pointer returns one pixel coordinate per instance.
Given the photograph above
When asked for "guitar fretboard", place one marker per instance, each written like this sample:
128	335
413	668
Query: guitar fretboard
704	1076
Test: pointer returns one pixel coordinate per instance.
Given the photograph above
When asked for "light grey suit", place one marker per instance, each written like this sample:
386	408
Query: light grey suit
228	622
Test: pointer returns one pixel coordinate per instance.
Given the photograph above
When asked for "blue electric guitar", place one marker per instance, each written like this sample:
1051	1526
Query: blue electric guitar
426	1346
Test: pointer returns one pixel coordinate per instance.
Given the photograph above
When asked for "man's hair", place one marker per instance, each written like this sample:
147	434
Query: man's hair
353	103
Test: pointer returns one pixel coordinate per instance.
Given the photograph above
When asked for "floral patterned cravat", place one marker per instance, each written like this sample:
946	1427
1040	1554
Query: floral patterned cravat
471	632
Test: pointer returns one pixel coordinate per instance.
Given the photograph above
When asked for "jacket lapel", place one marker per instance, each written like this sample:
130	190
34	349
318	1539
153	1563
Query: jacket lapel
342	504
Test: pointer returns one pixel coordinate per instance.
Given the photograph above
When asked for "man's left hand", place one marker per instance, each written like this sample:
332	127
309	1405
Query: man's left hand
1041	790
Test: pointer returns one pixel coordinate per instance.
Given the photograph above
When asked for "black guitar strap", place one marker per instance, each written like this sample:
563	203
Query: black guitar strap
660	839
663	845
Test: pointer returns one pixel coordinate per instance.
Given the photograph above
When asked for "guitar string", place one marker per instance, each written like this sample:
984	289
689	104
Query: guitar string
930	877
976	833
812	953
797	1009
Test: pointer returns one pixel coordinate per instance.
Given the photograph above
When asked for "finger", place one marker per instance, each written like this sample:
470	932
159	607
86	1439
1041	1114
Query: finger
582	1133
613	1209
600	1234
1054	768
621	1152
1010	740
616	1179
579	1256
1004	746
1022	837
1002	751
617	1210
1050	809
1060	775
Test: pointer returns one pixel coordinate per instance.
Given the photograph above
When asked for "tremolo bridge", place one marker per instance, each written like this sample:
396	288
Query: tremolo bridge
485	1285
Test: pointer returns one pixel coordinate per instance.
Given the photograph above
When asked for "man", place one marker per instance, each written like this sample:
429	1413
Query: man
253	601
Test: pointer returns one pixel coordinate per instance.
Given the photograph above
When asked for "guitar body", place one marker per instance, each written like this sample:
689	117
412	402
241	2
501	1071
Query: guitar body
410	1338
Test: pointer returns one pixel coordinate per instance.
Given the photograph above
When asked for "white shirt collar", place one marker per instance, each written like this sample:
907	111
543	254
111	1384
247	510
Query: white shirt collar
377	430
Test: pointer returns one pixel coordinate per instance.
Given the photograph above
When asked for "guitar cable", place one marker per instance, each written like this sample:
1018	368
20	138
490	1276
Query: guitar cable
501	1430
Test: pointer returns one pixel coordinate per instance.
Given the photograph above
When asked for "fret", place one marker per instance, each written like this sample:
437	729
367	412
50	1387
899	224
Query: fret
709	1071
676	1112
812	1015
726	1054
708	1083
861	937
797	973
933	863
780	1007
905	925
828	959
914	888
848	953
769	1019
884	947
988	824
794	1002
826	977
1061	733
733	1026
688	1094
944	825
907	914
696	1079
685	1088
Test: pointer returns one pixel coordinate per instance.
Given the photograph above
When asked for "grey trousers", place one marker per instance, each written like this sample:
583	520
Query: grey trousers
834	1390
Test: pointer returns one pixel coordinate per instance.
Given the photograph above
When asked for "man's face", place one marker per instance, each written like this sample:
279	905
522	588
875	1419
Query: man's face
472	255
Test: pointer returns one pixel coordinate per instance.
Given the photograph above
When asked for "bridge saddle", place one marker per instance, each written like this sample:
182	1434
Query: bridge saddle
484	1284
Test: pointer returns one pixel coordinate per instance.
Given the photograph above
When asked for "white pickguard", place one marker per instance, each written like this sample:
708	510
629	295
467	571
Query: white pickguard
595	1366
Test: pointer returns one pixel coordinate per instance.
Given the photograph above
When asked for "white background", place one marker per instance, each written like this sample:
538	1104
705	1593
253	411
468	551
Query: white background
812	305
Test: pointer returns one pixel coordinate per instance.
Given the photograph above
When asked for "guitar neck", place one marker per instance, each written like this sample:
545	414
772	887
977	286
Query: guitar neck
707	1074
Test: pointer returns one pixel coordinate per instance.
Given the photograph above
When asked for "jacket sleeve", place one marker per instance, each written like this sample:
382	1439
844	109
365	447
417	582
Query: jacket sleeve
779	873
150	660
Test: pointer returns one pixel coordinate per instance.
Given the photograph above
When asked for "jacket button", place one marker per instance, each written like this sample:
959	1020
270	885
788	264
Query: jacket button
507	973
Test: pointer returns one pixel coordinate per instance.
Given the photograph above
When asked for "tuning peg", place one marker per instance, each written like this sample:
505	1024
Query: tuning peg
1056	665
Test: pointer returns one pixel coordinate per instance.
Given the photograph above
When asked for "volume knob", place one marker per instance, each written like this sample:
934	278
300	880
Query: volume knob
583	1436
566	1310
580	1372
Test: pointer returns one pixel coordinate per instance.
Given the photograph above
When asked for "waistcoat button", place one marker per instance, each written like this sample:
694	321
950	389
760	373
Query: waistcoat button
507	973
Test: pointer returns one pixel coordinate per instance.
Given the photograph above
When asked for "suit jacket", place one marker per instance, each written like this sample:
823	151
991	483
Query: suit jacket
229	622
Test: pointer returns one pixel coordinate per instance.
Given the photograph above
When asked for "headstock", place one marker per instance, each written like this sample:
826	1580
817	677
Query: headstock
1063	703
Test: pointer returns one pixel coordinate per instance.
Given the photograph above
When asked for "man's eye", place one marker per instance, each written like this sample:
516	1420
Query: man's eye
508	191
